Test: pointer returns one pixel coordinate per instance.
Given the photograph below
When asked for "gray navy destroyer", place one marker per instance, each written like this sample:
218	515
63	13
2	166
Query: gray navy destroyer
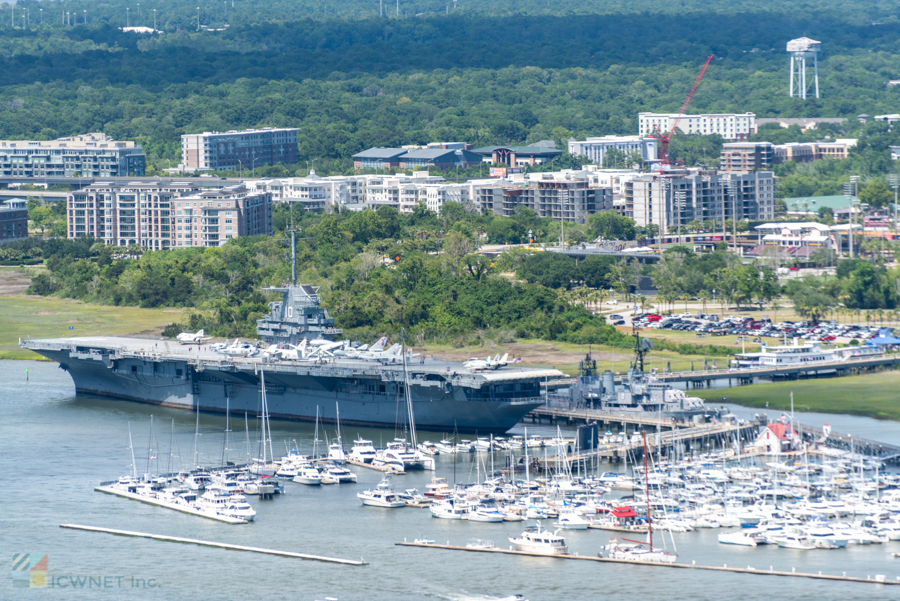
369	387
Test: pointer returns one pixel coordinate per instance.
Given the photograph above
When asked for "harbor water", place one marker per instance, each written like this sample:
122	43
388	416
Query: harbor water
55	447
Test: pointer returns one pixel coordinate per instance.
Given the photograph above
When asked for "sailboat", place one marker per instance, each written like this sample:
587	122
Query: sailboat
632	550
264	466
336	449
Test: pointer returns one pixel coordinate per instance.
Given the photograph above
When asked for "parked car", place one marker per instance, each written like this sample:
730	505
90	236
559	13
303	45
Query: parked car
612	301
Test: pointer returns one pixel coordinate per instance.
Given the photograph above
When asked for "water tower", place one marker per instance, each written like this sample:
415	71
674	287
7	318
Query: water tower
802	49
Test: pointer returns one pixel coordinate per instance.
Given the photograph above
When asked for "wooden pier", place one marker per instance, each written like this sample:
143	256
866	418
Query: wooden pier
879	579
206	543
718	433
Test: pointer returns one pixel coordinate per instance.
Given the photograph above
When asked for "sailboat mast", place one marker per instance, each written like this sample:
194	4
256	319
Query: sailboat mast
525	446
150	445
196	434
409	408
647	482
131	446
227	430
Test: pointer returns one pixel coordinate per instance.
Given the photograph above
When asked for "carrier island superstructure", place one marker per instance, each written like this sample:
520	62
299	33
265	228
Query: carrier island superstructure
446	396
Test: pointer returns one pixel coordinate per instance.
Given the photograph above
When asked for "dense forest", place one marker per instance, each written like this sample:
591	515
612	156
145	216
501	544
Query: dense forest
486	73
492	72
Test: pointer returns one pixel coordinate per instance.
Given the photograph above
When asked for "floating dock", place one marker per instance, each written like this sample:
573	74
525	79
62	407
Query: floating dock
206	543
879	579
377	468
182	508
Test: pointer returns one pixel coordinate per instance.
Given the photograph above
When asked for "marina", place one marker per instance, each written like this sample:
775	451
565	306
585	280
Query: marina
329	519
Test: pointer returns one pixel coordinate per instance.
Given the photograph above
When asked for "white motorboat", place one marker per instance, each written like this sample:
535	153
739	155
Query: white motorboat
308	475
445	446
428	448
737	538
197	480
341	474
485	513
535	540
387	459
382	496
482	444
795	541
571	521
362	451
448	509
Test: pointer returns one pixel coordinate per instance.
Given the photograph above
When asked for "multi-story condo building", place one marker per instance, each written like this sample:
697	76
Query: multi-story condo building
596	149
13	220
90	155
568	196
675	198
126	214
802	152
239	150
737	126
212	217
747	156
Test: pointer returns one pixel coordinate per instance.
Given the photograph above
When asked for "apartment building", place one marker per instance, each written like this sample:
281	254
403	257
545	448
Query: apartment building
802	152
731	126
239	150
597	149
565	195
126	214
747	156
89	155
13	220
675	198
212	217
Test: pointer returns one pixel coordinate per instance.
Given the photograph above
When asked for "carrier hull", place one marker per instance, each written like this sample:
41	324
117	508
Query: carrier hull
445	396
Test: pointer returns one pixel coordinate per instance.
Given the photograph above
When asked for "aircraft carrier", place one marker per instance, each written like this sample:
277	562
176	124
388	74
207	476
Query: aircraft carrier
369	391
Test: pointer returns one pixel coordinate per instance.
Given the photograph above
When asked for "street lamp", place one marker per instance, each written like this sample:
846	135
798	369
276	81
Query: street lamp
127	17
198	18
154	19
253	167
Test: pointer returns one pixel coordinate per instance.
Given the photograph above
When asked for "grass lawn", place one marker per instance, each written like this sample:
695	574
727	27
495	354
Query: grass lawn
38	317
873	395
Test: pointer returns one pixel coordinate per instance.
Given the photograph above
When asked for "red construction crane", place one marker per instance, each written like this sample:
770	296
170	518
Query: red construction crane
664	140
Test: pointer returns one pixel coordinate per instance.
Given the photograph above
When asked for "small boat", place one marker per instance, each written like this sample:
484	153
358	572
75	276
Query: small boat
737	538
428	448
535	540
382	496
308	475
477	543
793	541
571	521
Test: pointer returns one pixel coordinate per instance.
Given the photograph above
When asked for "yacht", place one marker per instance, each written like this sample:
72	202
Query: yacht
795	541
362	451
486	511
437	488
224	504
737	538
535	540
449	509
382	496
308	475
446	446
197	480
336	453
341	474
428	448
571	521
